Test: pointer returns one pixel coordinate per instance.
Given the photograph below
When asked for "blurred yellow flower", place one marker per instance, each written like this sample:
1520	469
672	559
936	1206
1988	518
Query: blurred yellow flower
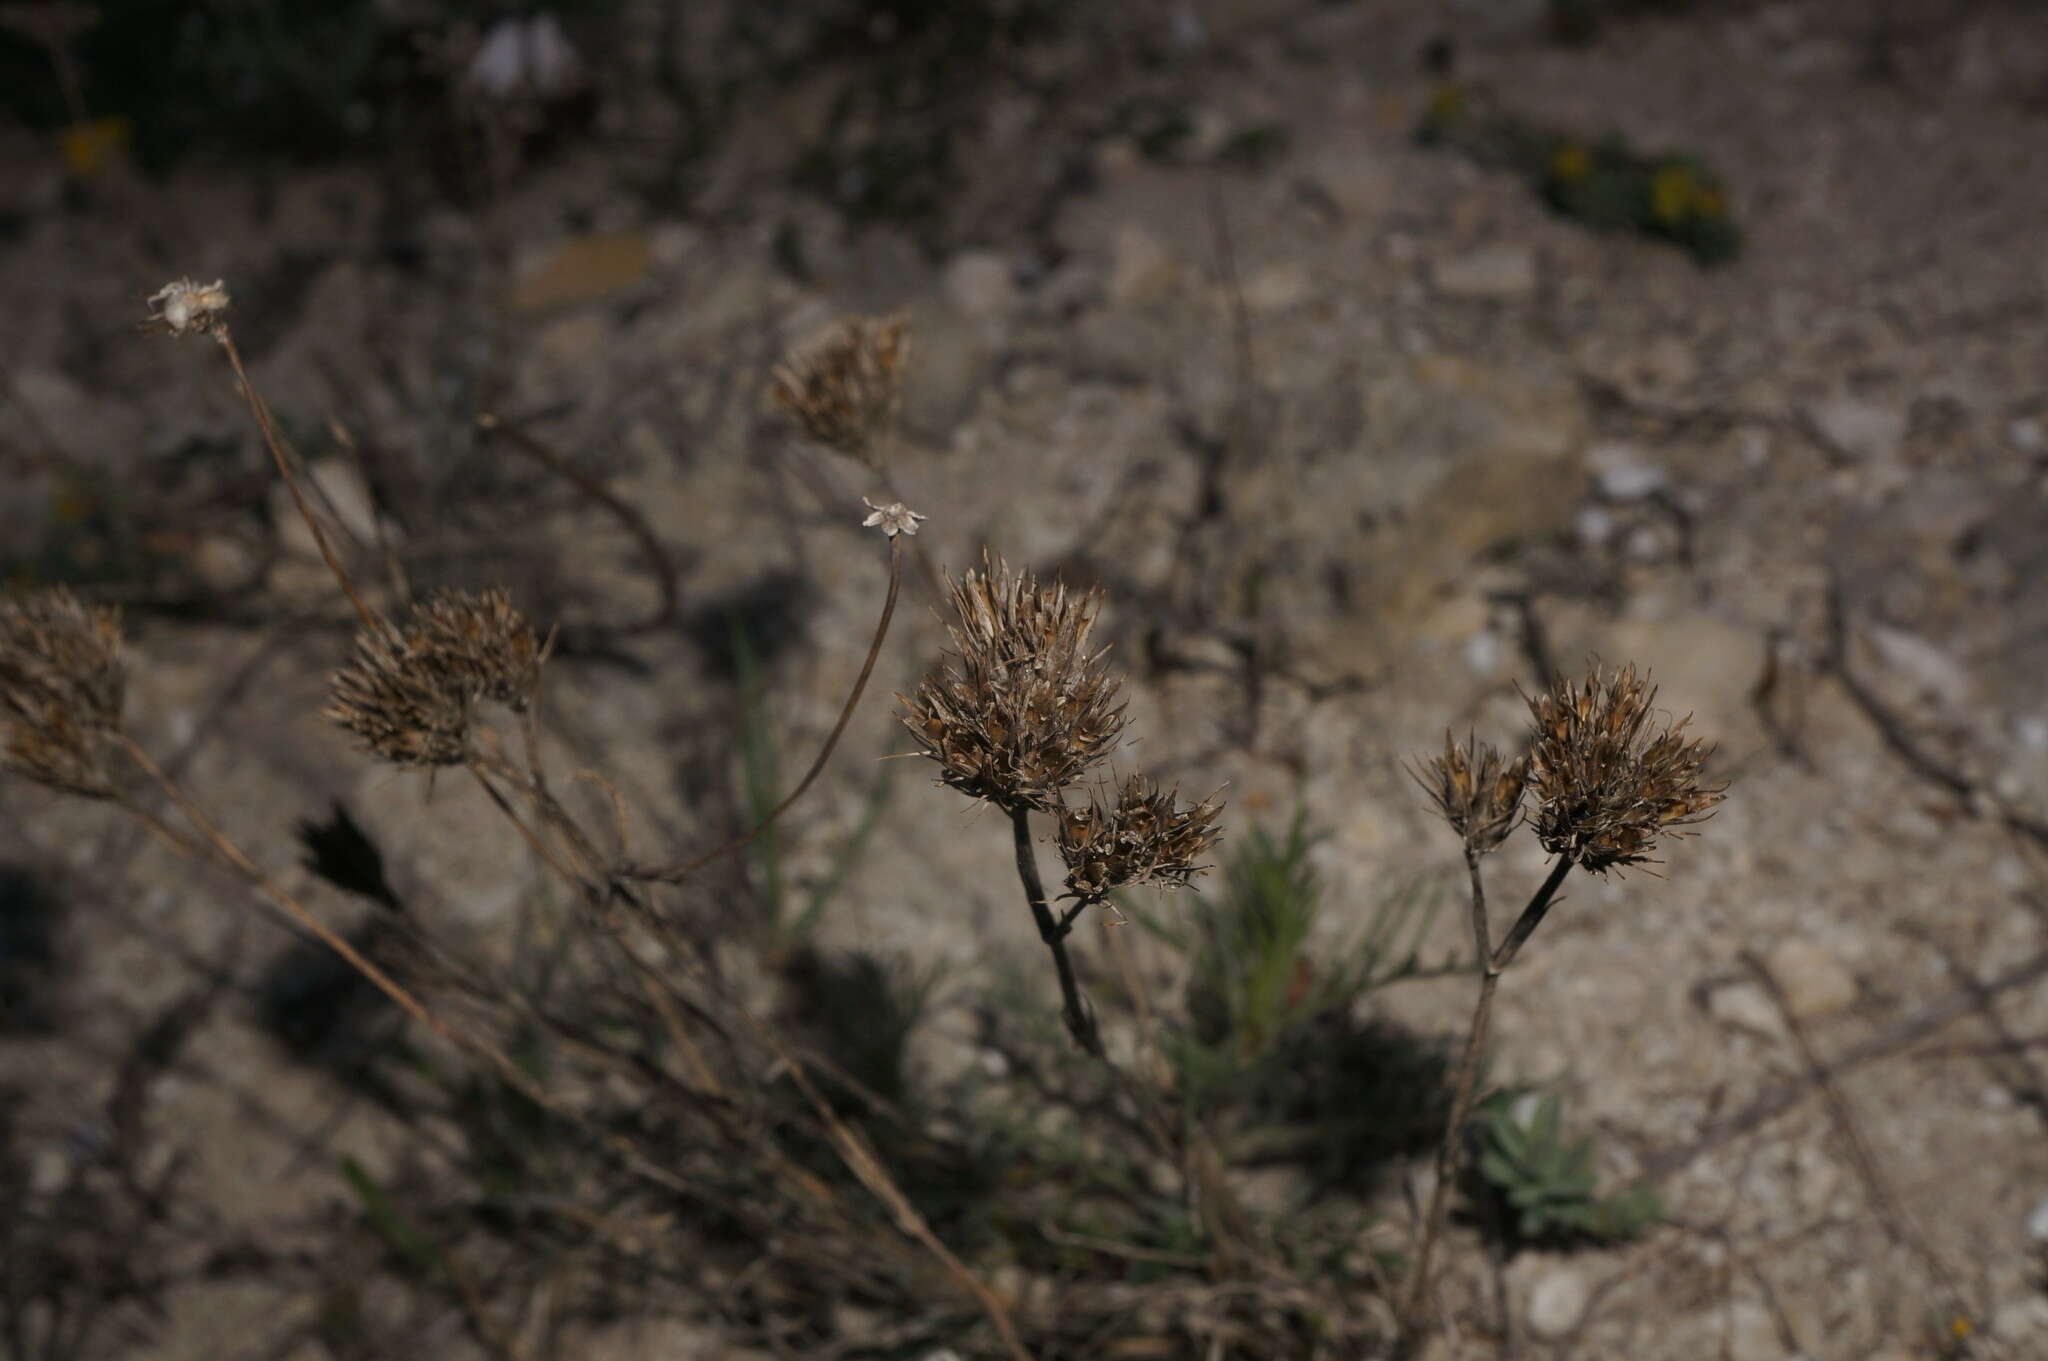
1571	164
91	146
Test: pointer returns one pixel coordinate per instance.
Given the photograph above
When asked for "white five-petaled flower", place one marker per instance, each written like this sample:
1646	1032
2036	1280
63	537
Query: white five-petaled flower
188	305
893	519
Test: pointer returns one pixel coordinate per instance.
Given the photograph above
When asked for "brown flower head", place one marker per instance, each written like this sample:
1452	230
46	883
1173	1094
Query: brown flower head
1608	783
409	694
1477	790
844	387
1020	709
1134	835
61	685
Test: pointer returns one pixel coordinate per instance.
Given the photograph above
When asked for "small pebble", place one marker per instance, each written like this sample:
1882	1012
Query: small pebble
2037	1222
1557	1302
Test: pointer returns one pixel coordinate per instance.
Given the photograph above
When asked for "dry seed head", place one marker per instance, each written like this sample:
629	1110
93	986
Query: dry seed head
61	685
1134	835
1020	709
185	305
1478	791
1608	783
409	694
845	387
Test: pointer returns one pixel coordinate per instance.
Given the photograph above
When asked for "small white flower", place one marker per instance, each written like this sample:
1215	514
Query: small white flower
187	305
529	58
893	519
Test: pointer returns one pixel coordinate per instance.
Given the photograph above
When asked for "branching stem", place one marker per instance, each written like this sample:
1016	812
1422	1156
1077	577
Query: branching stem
1080	1021
1490	964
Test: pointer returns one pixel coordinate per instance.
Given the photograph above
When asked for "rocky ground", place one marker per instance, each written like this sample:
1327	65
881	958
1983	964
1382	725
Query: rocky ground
1357	440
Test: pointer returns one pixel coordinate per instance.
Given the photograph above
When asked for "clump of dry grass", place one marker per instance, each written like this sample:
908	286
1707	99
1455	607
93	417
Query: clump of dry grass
61	685
664	1092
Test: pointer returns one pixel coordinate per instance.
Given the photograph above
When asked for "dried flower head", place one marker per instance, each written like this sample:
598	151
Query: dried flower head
892	519
409	694
61	684
845	387
185	305
1020	709
1607	782
1478	791
1134	835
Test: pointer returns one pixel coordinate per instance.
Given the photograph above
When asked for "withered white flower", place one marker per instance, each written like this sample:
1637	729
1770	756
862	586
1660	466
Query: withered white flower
188	305
892	519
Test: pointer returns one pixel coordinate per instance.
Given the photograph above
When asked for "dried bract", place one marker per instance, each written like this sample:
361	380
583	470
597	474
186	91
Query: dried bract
1477	790
845	387
1138	835
409	694
61	685
1607	782
1020	709
186	305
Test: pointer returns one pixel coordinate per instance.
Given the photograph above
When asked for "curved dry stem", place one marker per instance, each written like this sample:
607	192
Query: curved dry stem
271	439
672	874
665	576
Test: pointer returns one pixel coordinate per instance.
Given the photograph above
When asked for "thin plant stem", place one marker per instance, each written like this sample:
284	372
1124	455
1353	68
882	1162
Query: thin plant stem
284	469
233	856
1482	936
1532	915
1080	1021
672	874
1490	965
537	449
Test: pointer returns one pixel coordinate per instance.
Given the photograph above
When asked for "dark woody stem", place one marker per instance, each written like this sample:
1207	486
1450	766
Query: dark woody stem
1490	967
1532	915
1080	1021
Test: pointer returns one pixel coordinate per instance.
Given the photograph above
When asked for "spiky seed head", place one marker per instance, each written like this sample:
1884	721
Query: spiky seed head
61	687
1478	791
1135	834
844	387
409	694
1608	781
186	305
1020	708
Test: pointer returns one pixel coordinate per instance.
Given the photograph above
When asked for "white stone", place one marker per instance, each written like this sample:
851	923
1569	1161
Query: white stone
1745	1006
2027	435
1752	1334
2023	1319
1862	429
2037	1221
1813	981
981	283
1499	273
336	492
1274	288
1140	268
1927	667
1557	1301
1622	472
